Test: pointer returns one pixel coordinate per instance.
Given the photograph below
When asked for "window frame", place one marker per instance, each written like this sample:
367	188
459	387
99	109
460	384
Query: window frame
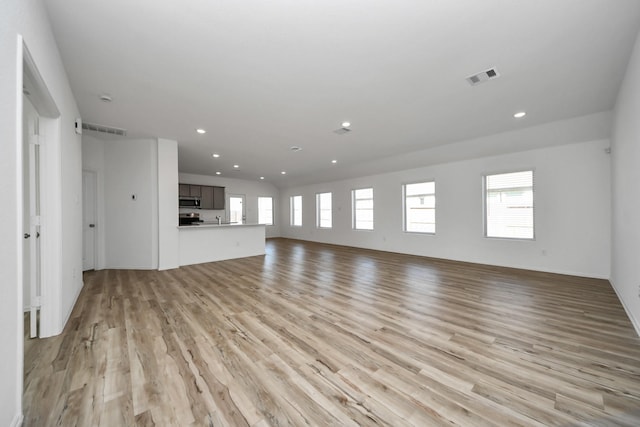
272	210
404	207
319	209
354	218
292	211
485	218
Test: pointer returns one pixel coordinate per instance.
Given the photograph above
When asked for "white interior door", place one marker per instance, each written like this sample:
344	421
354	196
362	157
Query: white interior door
88	220
237	213
31	209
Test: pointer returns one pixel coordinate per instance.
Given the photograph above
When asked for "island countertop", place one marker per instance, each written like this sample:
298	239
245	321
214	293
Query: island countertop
210	224
213	242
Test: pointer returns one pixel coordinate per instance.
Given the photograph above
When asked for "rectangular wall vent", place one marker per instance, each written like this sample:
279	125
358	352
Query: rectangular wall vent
483	76
104	129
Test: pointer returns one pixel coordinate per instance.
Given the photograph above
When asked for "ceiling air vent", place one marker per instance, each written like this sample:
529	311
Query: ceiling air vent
342	131
104	129
483	76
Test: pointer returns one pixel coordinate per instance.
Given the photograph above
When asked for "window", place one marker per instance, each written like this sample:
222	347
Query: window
265	210
420	207
363	209
323	207
509	205
296	211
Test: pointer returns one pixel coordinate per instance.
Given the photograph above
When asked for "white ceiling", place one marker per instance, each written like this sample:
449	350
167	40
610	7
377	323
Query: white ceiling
262	76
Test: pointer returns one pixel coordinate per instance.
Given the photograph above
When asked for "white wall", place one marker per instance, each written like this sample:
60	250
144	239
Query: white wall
29	19
141	233
131	168
251	190
625	152
572	211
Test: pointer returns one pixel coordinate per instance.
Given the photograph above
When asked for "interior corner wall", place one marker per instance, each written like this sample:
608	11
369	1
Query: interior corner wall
250	189
131	204
625	153
572	211
168	237
28	18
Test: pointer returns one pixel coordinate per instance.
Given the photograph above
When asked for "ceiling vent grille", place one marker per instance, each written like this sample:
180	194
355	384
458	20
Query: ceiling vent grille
104	129
483	76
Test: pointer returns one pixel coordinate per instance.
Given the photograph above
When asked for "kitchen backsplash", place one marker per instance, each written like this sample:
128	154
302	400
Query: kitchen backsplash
206	214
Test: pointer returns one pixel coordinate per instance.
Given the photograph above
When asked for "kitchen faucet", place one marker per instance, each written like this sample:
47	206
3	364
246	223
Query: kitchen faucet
219	218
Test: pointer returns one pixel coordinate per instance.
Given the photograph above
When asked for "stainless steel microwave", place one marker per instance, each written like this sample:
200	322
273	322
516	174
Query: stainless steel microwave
189	202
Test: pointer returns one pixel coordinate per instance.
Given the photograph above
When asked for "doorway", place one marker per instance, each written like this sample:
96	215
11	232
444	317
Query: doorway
88	220
41	200
31	186
237	213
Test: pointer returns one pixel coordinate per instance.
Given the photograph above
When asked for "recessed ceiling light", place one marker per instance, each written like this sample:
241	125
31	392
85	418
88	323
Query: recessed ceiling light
236	166
216	155
201	131
218	173
283	172
520	115
346	124
296	148
105	98
262	177
334	161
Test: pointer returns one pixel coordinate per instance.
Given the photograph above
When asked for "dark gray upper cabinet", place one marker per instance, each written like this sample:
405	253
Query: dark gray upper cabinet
218	198
184	190
210	197
206	198
195	190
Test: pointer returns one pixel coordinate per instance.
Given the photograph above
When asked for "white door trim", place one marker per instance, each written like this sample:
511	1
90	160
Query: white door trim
244	206
94	220
51	321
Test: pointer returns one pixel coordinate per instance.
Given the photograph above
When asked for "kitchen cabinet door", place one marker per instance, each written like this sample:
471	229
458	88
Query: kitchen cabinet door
206	198
218	198
195	190
184	190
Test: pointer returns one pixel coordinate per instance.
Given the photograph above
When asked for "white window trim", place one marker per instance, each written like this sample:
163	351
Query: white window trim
353	208
273	213
318	206
533	205
404	208
291	214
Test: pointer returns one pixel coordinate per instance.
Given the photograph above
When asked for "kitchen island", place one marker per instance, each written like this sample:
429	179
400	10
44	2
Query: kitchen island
208	242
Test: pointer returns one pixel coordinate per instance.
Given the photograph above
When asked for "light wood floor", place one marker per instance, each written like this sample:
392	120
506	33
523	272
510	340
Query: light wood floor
319	335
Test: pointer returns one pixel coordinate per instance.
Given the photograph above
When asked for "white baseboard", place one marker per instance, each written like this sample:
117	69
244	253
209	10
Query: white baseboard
634	321
17	421
75	300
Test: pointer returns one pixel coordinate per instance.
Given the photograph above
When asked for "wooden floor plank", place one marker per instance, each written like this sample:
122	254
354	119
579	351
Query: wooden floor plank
314	334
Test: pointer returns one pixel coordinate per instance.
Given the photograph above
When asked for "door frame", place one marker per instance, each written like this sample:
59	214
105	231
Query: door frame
94	189
32	212
244	206
50	192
